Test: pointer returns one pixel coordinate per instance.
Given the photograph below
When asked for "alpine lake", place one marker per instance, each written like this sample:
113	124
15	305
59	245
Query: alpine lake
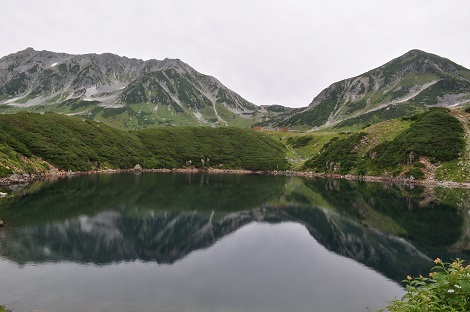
221	242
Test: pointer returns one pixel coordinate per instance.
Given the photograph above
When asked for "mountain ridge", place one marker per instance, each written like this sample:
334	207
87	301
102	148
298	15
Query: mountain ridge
406	84
91	84
133	93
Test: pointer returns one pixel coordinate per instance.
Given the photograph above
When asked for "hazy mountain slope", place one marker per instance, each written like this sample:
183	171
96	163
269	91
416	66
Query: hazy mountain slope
406	84
121	91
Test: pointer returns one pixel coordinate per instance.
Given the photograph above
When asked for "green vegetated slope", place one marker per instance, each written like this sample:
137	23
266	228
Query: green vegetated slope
458	169
301	146
430	144
28	141
435	135
3	309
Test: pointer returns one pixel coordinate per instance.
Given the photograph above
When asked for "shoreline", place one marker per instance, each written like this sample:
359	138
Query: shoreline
19	179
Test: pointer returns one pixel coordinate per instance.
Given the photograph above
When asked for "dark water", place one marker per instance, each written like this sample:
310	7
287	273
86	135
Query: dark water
198	242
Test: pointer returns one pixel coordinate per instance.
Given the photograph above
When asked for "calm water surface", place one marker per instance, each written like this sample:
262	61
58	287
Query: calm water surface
198	242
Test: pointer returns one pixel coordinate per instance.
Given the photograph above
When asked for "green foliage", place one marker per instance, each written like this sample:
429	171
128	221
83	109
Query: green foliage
316	116
4	309
12	162
207	147
277	109
436	134
135	93
112	111
73	144
76	103
338	156
356	105
379	115
447	289
467	109
297	142
415	173
430	95
16	85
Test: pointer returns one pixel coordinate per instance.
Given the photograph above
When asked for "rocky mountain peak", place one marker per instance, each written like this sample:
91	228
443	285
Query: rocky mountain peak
402	86
414	52
423	62
140	92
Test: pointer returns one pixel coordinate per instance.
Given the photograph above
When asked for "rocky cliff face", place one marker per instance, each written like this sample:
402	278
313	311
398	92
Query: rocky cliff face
125	92
406	84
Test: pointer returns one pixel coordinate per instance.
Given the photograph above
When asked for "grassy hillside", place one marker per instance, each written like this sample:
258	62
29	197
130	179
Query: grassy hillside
302	146
397	147
203	146
69	143
430	144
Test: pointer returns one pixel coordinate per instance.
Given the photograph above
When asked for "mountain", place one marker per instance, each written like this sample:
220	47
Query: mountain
407	84
121	91
132	93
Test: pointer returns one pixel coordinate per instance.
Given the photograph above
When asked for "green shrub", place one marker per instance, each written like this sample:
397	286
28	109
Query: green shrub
70	143
225	147
435	134
446	289
297	142
4	309
415	173
338	155
4	172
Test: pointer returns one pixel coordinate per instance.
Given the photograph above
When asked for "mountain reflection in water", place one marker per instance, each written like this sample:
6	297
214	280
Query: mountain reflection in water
111	218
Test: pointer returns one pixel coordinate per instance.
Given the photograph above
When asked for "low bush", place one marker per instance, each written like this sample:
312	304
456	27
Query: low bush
415	173
446	289
70	143
337	156
4	309
297	142
434	134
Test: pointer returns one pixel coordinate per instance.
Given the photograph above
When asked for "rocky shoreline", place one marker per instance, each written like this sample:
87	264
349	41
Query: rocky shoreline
22	179
25	178
388	179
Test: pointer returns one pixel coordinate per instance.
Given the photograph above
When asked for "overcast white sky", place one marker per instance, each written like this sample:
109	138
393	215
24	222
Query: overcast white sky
268	51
